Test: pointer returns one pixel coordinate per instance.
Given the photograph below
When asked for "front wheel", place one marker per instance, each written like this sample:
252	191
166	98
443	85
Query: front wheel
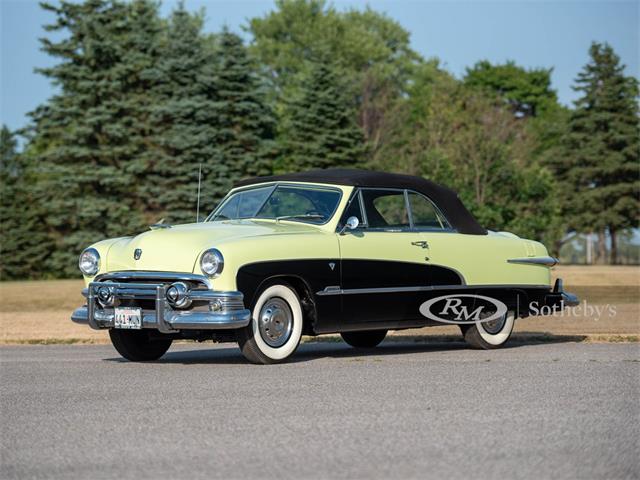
489	335
366	339
276	326
137	345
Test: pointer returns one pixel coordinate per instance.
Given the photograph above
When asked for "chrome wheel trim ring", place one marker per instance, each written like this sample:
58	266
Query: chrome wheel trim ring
275	322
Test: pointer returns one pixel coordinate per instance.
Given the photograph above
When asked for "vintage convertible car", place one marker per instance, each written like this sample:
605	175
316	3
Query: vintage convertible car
330	251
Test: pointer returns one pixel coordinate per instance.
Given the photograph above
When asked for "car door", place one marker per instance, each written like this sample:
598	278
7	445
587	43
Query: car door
456	258
383	261
440	241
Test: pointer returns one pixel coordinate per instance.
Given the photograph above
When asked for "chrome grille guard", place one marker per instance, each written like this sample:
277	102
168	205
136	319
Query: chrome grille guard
216	309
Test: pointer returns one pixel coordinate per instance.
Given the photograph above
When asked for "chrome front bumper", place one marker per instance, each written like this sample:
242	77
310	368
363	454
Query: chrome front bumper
217	310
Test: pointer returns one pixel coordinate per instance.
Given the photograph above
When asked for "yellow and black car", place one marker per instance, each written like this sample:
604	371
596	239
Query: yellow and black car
329	251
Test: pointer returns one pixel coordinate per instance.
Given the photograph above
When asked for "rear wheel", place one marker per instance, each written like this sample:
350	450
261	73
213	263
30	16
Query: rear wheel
489	335
137	345
366	339
276	326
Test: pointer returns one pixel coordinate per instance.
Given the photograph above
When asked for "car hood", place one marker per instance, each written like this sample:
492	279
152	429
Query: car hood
178	248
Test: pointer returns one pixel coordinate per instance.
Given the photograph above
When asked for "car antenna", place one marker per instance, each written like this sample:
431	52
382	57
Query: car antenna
198	201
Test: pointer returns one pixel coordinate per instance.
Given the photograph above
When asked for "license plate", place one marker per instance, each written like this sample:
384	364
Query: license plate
128	318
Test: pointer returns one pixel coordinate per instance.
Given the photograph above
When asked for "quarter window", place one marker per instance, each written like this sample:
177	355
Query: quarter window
424	213
353	210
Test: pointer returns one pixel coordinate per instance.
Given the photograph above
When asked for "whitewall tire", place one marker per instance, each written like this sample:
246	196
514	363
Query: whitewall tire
276	326
489	335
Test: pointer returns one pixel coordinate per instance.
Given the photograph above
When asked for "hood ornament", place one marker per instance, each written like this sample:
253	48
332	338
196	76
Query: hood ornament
160	224
137	253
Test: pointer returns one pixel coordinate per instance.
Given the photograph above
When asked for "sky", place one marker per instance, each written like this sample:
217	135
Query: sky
532	33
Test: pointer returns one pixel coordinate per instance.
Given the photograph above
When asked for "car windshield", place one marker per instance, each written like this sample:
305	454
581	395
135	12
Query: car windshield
281	202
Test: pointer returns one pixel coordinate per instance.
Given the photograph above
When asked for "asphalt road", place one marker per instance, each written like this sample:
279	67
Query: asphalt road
439	411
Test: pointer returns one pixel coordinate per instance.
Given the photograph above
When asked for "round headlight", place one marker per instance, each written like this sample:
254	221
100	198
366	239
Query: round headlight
212	262
89	262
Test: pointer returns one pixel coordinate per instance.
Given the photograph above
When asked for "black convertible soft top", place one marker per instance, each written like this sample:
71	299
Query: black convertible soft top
446	199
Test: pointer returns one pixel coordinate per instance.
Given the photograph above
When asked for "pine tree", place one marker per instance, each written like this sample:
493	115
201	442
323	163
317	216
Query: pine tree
246	135
23	242
320	128
91	137
183	118
211	112
603	149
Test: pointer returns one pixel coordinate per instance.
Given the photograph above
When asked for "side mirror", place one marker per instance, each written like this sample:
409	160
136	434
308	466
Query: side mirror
351	224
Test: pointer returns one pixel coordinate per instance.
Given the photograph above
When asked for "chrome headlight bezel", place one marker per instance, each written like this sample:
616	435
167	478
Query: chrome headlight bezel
212	262
92	259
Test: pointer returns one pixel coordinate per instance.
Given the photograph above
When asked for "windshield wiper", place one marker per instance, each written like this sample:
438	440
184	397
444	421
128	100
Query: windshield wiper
301	215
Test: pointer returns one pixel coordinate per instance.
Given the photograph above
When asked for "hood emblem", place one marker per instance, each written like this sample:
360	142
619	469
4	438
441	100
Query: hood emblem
332	265
137	253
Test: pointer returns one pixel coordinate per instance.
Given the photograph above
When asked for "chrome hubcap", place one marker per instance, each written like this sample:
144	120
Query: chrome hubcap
275	322
494	326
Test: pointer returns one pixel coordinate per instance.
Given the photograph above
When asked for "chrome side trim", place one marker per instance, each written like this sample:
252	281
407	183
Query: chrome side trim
547	261
151	276
331	290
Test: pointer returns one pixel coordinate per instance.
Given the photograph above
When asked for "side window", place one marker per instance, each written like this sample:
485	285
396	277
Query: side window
385	209
424	213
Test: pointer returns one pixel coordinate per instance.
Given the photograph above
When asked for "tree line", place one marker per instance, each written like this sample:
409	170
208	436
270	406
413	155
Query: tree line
143	102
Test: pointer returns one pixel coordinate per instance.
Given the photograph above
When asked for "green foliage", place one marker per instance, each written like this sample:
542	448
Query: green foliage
181	119
470	141
528	92
321	131
289	40
601	165
371	50
246	128
209	110
91	137
24	241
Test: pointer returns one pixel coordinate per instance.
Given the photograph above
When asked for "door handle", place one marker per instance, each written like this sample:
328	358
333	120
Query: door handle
421	244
